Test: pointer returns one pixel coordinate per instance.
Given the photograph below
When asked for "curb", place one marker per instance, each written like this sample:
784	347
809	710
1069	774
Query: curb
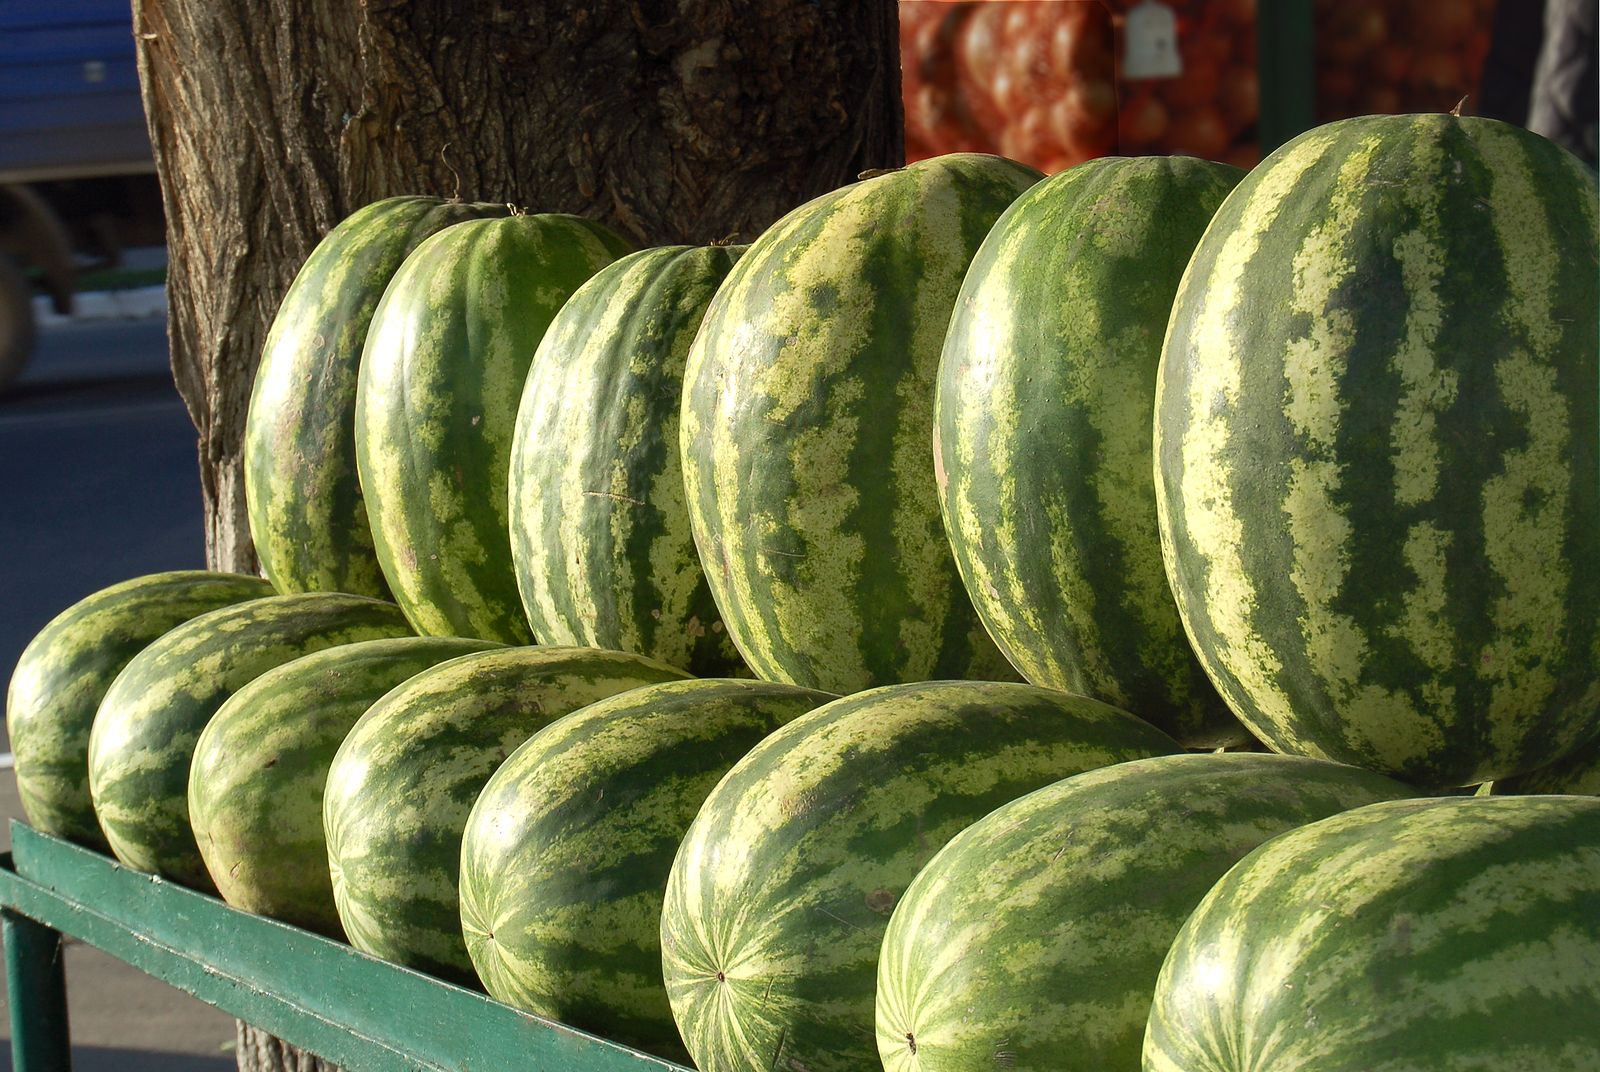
135	303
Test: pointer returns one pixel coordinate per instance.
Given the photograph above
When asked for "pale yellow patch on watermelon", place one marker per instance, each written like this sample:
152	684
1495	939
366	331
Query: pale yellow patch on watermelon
1214	365
1427	389
1526	509
1423	625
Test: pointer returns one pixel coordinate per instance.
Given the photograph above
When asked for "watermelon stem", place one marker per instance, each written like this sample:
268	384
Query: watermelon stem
456	196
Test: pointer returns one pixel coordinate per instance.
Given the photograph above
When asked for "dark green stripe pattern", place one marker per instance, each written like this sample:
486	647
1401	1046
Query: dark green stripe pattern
436	408
255	783
600	528
64	673
1417	936
569	846
807	418
1035	938
145	731
780	894
1378	449
403	782
307	517
1042	436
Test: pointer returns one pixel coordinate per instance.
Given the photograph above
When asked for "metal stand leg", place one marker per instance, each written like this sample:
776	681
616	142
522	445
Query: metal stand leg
37	988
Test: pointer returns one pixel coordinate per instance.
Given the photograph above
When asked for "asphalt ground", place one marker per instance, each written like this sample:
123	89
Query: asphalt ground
98	478
98	483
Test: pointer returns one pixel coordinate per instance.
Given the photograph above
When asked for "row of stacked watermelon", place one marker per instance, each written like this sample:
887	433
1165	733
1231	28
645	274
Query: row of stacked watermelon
605	841
623	836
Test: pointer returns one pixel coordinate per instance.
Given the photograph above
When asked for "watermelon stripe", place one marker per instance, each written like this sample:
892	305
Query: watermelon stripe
146	728
307	516
1046	389
570	844
1039	931
64	673
256	780
1390	583
404	780
808	407
600	530
1468	921
783	885
441	377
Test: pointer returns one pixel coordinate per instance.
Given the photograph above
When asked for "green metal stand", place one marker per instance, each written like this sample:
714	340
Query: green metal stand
38	990
318	994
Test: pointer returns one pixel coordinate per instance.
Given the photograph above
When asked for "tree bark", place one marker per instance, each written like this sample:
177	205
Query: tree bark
671	120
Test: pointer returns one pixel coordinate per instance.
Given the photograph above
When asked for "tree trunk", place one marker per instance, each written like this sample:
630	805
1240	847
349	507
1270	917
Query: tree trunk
671	120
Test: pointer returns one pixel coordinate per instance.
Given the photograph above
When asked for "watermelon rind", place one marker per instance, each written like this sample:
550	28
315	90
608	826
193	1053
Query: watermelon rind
1377	445
568	848
600	531
441	376
780	893
146	727
403	782
1039	931
302	493
807	415
64	673
1042	435
1450	935
256	779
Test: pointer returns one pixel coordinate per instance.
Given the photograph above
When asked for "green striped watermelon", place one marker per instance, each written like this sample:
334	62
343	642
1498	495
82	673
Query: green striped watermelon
780	893
1576	772
446	356
64	673
1378	448
1042	435
302	492
599	523
255	783
569	846
146	728
807	412
1440	935
403	782
1038	932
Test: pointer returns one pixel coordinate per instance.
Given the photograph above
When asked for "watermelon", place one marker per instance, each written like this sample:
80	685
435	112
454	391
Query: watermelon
1576	772
599	525
147	725
307	517
568	848
255	783
403	781
1042	435
1448	935
436	406
64	673
1377	448
807	413
778	898
1038	932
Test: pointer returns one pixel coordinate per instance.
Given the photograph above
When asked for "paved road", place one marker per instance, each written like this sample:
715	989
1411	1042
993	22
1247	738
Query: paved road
98	478
97	474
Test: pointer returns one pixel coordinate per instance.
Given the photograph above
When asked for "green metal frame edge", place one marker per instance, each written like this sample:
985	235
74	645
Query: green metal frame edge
321	995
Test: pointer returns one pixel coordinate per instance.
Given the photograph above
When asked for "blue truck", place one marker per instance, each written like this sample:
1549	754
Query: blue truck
69	109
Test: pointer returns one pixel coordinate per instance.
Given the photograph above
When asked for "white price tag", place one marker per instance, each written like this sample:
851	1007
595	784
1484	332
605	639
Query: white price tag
1151	37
